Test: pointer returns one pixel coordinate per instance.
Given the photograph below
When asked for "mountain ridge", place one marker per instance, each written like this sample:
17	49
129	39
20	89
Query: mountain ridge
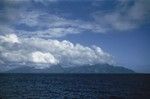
98	68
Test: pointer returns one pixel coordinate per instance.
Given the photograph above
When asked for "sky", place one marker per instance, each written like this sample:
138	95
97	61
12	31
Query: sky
75	32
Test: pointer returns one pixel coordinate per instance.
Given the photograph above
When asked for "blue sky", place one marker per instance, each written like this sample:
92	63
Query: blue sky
119	27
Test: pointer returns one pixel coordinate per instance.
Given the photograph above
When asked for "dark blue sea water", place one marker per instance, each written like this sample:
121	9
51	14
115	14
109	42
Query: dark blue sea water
74	86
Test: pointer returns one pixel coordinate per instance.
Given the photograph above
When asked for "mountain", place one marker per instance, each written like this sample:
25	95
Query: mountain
98	68
27	69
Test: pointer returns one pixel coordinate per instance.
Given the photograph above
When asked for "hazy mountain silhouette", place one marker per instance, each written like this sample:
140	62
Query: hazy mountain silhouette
98	68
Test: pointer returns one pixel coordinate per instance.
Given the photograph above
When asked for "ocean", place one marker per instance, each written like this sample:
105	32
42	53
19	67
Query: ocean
74	86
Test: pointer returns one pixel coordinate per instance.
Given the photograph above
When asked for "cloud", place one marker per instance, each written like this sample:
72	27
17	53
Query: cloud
39	57
128	15
54	26
12	38
40	23
25	18
51	52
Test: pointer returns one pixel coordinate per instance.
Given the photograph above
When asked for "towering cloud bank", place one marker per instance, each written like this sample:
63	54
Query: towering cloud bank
41	51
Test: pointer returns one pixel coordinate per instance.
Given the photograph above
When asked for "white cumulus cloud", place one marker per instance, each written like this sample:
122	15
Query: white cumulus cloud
39	57
51	52
12	38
